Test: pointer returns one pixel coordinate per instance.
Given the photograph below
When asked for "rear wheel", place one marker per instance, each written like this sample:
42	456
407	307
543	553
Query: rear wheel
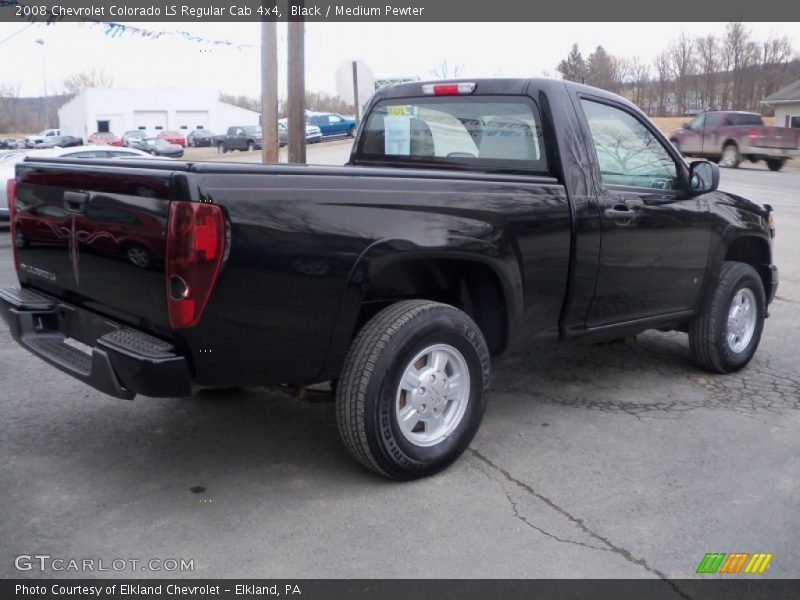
412	391
20	239
138	255
725	335
775	164
251	146
351	132
730	156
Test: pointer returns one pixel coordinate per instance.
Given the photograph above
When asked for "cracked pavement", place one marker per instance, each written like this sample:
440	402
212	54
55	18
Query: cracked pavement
614	460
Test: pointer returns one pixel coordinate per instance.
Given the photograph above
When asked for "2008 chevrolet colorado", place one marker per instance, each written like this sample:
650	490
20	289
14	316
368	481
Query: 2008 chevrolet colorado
472	218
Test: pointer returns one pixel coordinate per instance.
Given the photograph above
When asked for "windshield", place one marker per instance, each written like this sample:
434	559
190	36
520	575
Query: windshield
469	132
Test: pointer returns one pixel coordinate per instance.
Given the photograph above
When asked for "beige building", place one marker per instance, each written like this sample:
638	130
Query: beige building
786	103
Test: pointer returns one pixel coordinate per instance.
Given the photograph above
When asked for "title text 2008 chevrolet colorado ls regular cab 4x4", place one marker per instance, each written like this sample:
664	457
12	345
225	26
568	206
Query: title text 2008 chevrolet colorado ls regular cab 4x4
473	218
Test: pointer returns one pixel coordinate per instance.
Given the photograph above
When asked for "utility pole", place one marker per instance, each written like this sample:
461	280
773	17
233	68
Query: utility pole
40	41
297	89
269	92
355	91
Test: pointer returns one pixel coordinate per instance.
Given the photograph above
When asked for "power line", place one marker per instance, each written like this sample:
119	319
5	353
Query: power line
16	33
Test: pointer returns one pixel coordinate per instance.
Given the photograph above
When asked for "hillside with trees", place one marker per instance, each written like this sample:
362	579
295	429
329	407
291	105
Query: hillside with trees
729	72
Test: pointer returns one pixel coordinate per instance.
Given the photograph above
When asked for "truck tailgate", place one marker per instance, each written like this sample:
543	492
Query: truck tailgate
95	235
780	138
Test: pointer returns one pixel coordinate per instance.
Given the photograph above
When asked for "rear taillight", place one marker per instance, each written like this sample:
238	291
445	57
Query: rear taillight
753	134
11	193
195	247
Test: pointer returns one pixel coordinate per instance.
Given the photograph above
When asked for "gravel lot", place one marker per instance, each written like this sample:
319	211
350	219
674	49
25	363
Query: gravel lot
620	460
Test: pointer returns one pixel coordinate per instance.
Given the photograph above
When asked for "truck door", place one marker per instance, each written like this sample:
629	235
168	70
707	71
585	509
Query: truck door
711	144
238	141
654	238
692	142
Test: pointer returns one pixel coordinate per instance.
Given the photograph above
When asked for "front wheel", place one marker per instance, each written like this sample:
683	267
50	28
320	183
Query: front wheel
412	391
730	156
251	147
221	149
725	335
351	132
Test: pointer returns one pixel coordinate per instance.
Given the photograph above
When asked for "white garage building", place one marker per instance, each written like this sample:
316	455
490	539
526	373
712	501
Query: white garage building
152	111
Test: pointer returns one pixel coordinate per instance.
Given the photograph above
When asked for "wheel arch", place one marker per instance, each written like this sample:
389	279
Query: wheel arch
487	288
754	251
746	246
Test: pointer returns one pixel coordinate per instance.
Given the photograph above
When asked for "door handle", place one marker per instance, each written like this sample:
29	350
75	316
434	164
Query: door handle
75	202
620	214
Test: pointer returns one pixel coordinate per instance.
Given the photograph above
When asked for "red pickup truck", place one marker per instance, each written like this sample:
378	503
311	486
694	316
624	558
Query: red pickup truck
730	137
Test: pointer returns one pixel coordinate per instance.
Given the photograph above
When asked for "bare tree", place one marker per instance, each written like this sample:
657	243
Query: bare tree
90	78
663	83
709	62
639	75
776	56
9	105
682	67
738	50
445	70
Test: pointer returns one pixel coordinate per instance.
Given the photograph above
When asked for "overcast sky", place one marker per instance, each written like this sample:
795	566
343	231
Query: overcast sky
484	49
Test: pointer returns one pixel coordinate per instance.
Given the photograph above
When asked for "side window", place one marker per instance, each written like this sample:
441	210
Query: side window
627	151
712	120
697	123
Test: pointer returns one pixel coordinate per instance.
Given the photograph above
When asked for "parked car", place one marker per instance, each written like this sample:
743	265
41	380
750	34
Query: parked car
104	137
239	137
61	141
472	219
161	147
173	137
133	138
9	161
11	144
34	140
200	137
332	125
103	227
730	137
313	133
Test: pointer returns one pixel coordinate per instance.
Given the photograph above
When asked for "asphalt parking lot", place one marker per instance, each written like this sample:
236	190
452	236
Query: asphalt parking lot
620	460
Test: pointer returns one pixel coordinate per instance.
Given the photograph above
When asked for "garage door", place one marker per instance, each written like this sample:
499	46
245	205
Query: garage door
151	121
191	119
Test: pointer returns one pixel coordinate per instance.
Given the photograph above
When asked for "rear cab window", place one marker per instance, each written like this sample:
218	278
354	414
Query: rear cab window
483	133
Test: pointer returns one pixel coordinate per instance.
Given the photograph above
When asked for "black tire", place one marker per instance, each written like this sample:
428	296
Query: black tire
731	157
351	132
221	148
251	147
369	387
708	331
775	164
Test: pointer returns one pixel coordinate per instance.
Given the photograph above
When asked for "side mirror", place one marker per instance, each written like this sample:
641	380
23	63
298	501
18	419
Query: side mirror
703	177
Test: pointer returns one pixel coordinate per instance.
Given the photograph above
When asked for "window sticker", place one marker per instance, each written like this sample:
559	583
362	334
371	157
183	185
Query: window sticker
397	138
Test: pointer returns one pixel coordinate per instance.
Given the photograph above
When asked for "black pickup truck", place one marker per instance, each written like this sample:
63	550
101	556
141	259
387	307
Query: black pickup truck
239	137
473	218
